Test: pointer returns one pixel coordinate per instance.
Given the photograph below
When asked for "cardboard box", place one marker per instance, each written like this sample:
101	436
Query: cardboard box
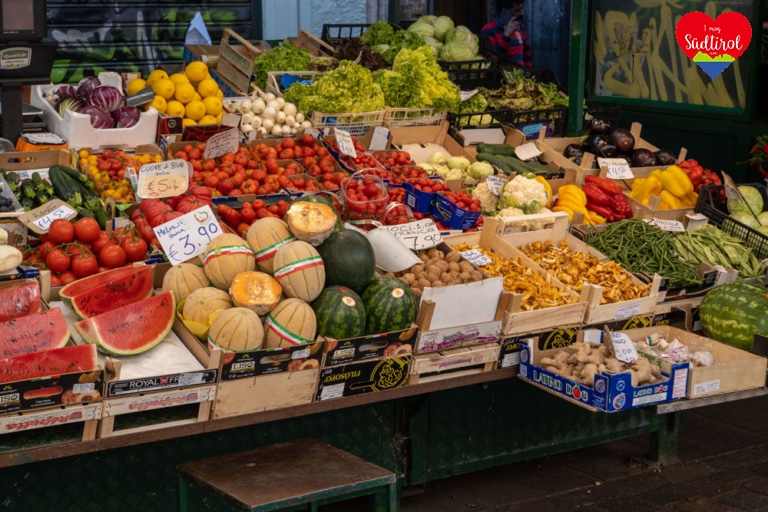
509	352
452	215
454	337
422	141
87	414
389	344
367	376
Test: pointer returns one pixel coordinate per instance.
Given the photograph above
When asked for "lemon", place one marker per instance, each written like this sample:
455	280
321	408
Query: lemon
159	103
179	78
219	117
196	71
135	86
207	87
220	94
195	110
207	119
188	122
156	75
175	108
212	105
164	87
184	93
198	97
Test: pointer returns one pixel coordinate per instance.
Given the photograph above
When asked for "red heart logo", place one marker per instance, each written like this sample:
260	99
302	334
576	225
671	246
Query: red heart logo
713	44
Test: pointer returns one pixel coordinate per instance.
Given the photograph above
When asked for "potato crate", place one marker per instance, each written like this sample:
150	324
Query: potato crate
399	117
276	84
454	362
355	123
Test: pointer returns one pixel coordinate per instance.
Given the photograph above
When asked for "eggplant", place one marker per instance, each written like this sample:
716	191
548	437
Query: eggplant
665	157
623	140
598	126
573	150
643	158
601	146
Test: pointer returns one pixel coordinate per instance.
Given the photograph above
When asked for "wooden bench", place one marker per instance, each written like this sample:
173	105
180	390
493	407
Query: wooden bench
296	475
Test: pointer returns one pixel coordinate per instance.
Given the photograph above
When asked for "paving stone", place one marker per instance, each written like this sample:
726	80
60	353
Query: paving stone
683	472
698	504
666	494
743	499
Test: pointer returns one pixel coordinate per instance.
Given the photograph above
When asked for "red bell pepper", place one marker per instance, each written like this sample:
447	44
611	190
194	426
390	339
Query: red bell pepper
595	194
602	211
608	186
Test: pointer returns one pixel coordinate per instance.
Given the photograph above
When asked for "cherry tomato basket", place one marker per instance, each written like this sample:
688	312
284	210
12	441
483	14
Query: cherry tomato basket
363	197
452	215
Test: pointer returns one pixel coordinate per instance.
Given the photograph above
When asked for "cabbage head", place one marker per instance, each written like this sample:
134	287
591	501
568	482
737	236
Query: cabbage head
753	197
425	30
436	45
464	35
442	25
429	19
456	51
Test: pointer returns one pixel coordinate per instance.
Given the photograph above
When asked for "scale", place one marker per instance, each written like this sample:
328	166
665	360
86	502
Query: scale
24	59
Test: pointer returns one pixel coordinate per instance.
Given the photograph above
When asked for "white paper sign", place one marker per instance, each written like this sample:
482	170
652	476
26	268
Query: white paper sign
668	225
221	143
476	257
163	179
628	309
616	168
465	95
624	348
417	235
64	211
187	236
495	184
527	151
344	141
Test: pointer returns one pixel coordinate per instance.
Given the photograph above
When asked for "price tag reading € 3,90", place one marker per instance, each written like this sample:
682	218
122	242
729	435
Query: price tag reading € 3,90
187	236
163	179
417	235
623	347
616	168
344	141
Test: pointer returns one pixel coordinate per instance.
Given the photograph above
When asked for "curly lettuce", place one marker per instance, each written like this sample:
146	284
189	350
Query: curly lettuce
347	89
286	57
380	32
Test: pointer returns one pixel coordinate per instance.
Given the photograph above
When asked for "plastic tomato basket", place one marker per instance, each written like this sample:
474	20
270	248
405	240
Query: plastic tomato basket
398	117
470	119
713	204
363	210
451	215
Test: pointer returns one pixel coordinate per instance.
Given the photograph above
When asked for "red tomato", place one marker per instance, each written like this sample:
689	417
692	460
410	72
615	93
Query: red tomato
61	231
57	260
112	255
135	247
55	281
100	241
84	265
45	248
67	277
86	229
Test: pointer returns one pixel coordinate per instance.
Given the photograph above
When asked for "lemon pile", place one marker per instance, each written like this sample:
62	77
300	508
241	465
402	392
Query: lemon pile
192	95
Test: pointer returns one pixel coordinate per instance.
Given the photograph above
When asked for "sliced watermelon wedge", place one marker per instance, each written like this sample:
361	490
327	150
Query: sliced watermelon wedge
32	333
19	299
107	291
49	362
131	329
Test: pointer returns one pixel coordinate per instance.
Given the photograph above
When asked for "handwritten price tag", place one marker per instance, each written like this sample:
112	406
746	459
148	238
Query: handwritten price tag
40	219
421	234
163	179
185	237
465	95
476	258
616	168
221	143
344	140
495	184
62	212
668	225
623	347
527	151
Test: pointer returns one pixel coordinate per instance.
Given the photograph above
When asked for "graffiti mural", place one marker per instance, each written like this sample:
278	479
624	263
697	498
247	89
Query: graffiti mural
113	35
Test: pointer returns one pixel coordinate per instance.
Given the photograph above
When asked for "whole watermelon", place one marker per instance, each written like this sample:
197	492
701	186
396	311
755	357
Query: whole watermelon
390	305
349	259
340	313
734	312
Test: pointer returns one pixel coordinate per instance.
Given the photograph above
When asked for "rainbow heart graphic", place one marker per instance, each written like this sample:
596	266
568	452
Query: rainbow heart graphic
713	44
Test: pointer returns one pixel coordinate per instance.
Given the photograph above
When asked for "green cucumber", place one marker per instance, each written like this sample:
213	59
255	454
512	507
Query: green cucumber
61	186
496	149
517	165
72	173
494	160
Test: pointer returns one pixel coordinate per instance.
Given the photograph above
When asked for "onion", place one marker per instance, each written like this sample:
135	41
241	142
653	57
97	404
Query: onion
280	102
299	117
290	109
256	122
258	106
273	104
280	117
268	124
269	96
246	128
286	129
269	113
261	132
290	121
246	118
276	130
244	106
306	124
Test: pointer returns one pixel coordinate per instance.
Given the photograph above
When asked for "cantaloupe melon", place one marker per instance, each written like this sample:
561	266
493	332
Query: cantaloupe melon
236	330
265	236
226	256
203	302
300	270
257	291
292	322
183	279
311	222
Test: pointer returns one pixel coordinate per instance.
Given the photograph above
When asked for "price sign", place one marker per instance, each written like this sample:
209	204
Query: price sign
40	219
465	95
221	143
616	168
527	151
344	140
495	184
163	179
731	190
476	258
421	234
623	347
668	225
187	236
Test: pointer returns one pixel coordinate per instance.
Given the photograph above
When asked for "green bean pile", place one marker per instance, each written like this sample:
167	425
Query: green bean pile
640	247
711	244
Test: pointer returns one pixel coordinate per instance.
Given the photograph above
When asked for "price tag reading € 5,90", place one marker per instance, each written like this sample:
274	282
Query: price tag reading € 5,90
476	258
187	236
344	140
421	234
221	143
623	347
616	168
163	179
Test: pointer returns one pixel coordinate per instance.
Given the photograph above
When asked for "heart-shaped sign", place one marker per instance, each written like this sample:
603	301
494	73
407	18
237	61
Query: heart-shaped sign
713	44
201	217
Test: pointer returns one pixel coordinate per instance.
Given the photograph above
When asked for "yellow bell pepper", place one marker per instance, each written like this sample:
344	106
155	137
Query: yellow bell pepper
548	188
650	186
565	210
636	183
594	217
573	191
676	182
671	200
572	205
691	199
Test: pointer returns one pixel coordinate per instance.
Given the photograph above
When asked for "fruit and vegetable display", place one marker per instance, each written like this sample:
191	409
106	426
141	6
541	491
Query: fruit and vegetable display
264	114
521	93
104	104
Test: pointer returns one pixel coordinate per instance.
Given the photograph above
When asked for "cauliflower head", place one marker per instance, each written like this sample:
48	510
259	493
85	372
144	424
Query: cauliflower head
488	201
524	192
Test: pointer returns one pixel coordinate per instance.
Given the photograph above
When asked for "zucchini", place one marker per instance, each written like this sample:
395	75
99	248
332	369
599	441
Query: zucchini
72	173
494	160
61	186
85	212
13	180
28	189
496	149
517	165
86	192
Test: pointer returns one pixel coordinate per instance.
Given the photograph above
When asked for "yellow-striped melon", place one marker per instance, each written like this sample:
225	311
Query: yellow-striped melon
300	270
226	256
291	323
257	291
236	330
265	236
203	302
310	221
183	279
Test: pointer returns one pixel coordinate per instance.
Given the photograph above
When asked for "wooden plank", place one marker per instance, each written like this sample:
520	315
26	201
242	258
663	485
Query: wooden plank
265	392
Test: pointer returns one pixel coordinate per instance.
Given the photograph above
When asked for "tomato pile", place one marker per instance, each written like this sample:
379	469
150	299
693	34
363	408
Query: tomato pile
153	212
391	158
428	186
364	197
361	161
250	211
463	200
409	172
71	250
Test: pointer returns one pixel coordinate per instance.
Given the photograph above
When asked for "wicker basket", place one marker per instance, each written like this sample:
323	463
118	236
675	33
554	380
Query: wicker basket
399	117
355	124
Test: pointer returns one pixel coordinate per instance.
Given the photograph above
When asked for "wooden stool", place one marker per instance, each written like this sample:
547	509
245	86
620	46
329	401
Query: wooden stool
297	475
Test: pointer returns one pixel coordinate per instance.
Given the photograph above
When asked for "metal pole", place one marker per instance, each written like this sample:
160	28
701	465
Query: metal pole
578	65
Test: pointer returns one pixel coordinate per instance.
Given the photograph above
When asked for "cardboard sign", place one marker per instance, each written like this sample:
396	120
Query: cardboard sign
623	348
221	143
187	236
421	234
163	179
616	168
731	189
344	140
495	184
380	139
476	258
465	95
674	226
39	219
527	151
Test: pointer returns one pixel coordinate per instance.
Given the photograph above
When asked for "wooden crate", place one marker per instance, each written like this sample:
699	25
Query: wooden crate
88	414
265	392
235	62
452	363
316	46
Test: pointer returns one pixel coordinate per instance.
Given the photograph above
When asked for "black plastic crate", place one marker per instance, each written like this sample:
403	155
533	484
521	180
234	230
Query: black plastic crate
612	114
333	33
530	122
541	75
498	118
713	204
471	74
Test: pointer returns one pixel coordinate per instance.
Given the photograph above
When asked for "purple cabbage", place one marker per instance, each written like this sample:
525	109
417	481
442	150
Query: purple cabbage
64	90
99	118
106	98
125	117
74	103
86	85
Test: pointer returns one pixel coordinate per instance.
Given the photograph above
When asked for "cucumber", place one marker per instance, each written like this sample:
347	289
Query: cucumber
516	164
101	217
61	186
85	212
496	149
494	160
72	173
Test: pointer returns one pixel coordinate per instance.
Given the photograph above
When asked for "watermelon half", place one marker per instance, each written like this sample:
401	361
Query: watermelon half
31	333
19	299
131	329
107	291
49	362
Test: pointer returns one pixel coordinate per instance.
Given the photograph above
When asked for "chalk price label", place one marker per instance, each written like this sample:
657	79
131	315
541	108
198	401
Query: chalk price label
668	225
616	168
163	179
623	347
40	218
221	143
188	236
417	235
345	143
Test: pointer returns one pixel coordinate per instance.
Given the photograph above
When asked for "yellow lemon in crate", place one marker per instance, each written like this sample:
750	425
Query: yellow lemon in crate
207	119
154	76
219	117
188	122
207	87
135	86
196	71
164	87
184	93
212	105
179	78
220	94
159	103
175	108
195	110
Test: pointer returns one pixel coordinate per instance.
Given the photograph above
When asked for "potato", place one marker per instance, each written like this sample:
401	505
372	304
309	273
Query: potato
424	283
437	283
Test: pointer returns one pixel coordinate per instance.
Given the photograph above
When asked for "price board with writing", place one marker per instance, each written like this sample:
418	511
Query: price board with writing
163	179
187	236
495	184
417	235
623	347
345	143
616	168
674	226
527	151
40	219
476	257
221	143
